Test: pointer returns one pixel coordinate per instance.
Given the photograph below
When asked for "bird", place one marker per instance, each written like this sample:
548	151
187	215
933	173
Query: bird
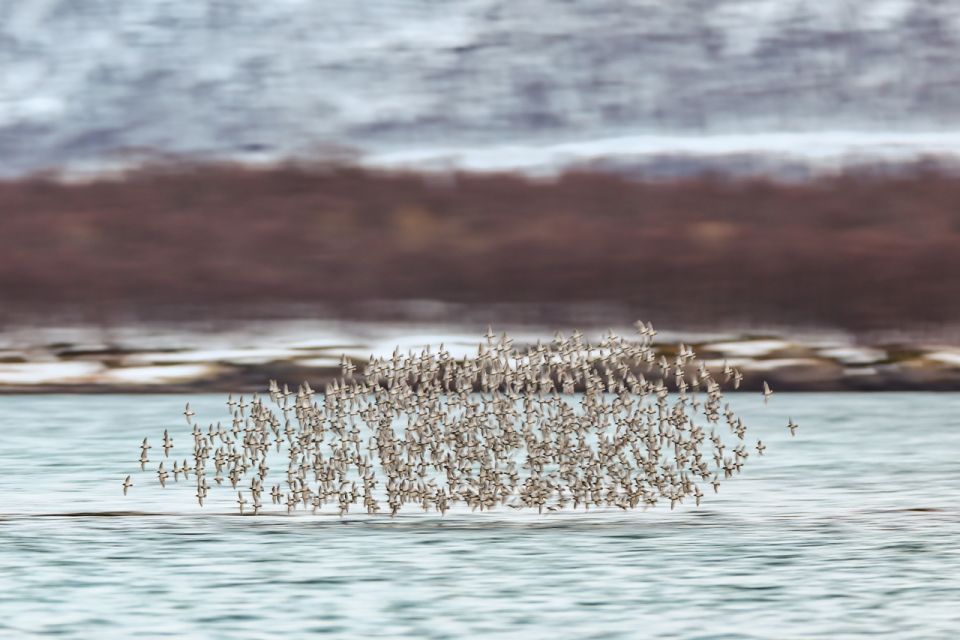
126	484
792	426
426	430
727	371
167	443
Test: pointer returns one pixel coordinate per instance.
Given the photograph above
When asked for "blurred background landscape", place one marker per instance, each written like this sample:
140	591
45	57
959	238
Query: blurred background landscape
205	195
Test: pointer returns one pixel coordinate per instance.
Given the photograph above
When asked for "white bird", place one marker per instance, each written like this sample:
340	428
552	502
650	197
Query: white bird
126	484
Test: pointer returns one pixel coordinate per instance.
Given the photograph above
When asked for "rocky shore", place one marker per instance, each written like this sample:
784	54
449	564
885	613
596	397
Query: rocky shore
147	358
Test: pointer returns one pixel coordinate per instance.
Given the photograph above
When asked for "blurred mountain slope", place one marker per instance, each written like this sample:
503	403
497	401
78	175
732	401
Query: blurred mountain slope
98	82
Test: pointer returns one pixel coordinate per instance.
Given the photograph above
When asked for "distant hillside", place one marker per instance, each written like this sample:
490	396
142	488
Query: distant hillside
850	251
89	82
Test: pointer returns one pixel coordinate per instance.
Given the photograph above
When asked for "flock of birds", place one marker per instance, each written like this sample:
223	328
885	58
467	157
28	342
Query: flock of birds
503	428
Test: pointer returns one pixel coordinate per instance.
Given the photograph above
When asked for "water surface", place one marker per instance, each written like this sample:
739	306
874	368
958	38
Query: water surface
850	529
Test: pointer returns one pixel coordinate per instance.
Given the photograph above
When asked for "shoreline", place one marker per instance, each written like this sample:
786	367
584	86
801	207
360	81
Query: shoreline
243	356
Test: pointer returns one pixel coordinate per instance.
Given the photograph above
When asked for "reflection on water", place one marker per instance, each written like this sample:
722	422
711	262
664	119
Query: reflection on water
850	529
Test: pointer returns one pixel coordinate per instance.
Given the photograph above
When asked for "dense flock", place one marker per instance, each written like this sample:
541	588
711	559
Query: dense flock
567	424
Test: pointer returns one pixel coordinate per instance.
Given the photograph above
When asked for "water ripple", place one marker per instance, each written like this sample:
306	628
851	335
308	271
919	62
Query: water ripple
835	539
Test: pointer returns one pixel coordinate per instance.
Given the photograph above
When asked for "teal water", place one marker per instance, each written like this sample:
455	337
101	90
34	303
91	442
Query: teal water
851	529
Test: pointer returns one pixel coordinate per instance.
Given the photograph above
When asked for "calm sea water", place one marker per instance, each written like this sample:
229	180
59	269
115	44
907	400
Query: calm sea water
850	529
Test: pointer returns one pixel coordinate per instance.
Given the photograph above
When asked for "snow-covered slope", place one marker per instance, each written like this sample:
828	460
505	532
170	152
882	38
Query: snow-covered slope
92	83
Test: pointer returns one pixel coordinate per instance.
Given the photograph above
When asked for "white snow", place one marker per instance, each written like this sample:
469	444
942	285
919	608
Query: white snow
157	375
823	147
238	356
28	373
781	363
945	357
854	355
747	348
